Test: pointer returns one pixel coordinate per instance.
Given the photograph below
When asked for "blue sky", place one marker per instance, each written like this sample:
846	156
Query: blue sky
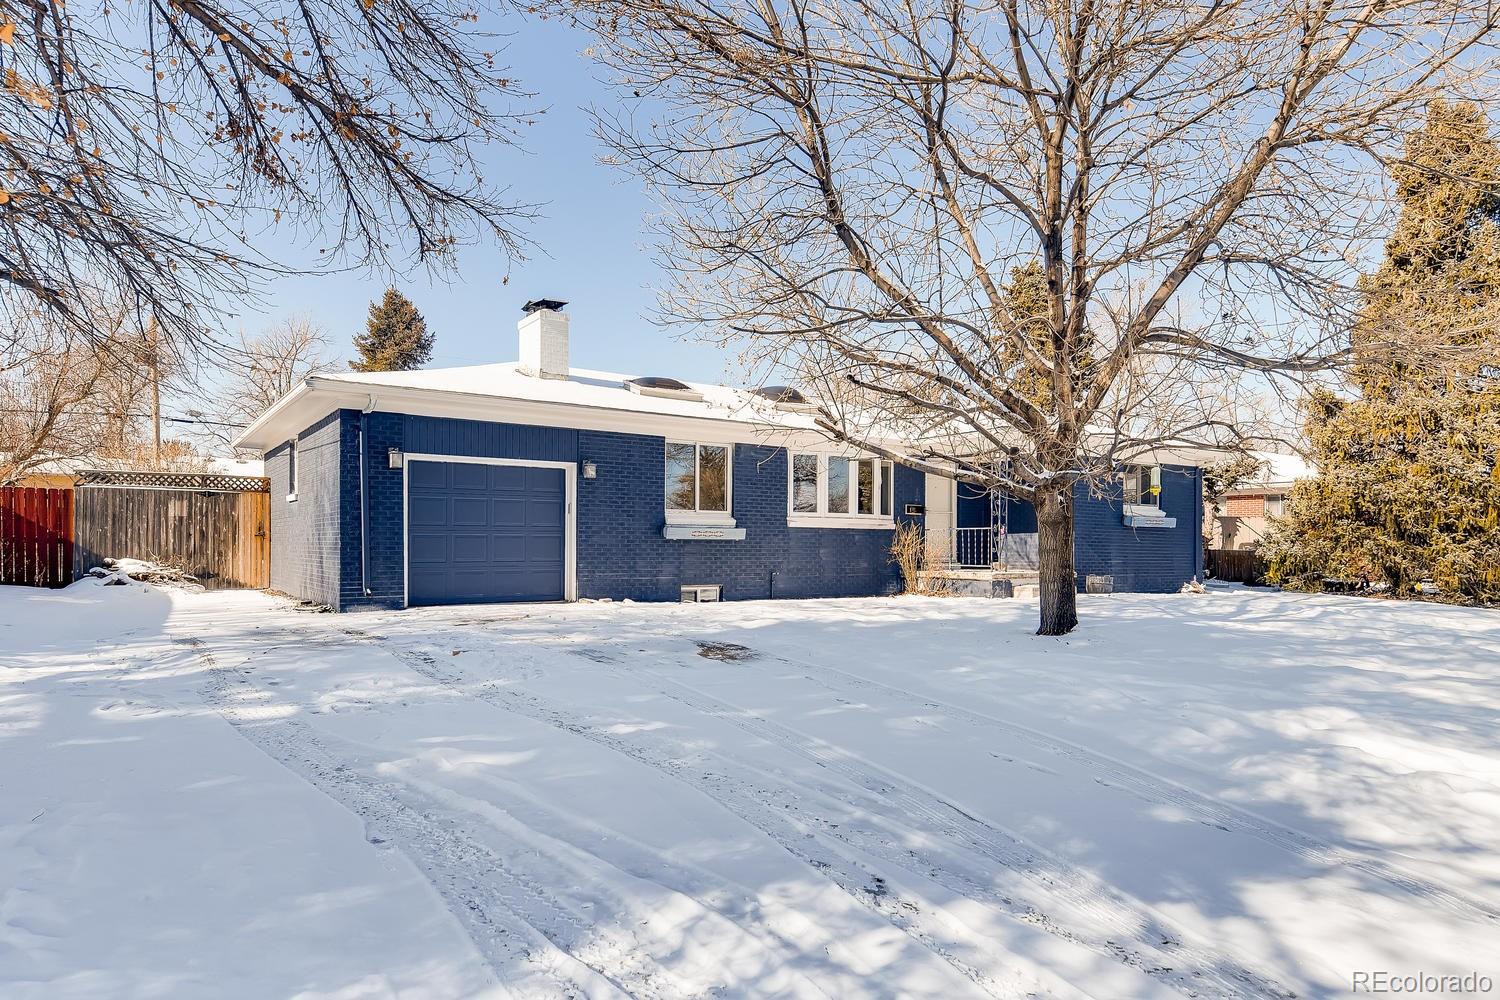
591	248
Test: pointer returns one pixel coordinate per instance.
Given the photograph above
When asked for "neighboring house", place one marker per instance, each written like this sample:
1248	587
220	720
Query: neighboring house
1245	512
536	481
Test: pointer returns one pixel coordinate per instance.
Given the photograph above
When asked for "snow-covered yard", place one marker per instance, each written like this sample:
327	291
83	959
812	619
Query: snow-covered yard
1239	795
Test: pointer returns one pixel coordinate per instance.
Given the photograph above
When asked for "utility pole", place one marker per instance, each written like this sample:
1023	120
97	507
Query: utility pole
153	359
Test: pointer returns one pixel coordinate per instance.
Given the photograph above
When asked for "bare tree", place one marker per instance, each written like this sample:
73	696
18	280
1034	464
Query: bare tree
55	403
247	377
147	146
1041	239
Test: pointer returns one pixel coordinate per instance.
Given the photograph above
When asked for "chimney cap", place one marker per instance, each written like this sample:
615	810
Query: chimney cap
535	304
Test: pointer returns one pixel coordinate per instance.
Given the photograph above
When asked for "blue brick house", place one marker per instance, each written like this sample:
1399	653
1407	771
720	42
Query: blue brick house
536	481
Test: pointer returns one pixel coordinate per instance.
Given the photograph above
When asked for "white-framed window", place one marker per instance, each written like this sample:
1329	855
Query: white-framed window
805	477
1142	486
1275	505
836	490
699	482
291	469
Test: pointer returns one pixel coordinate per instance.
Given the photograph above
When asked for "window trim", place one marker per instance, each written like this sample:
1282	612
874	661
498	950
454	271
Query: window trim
705	518
294	469
822	517
1153	478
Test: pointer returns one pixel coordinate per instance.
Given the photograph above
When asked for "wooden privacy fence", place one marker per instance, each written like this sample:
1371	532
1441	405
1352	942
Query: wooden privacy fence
36	536
1235	565
215	528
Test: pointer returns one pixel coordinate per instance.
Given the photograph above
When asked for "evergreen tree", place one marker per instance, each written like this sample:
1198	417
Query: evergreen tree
1409	470
1026	296
395	339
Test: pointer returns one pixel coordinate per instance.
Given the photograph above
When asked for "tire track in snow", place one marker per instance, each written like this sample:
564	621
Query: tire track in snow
1124	916
511	918
759	810
770	809
1158	790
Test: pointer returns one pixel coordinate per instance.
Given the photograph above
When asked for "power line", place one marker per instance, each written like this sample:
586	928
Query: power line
141	416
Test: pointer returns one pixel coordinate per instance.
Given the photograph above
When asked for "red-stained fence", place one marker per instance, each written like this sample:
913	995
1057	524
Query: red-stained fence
36	536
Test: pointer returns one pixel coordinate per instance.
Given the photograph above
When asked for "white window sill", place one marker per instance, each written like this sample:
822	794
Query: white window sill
716	518
702	533
1142	510
873	521
291	498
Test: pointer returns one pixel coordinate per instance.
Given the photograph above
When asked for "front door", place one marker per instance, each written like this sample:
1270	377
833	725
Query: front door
940	504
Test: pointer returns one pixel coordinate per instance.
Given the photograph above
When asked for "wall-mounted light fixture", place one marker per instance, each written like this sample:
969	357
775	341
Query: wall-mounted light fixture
590	470
395	457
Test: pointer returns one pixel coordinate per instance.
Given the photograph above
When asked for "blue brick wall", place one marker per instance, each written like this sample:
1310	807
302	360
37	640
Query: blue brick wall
306	533
1141	559
317	552
622	552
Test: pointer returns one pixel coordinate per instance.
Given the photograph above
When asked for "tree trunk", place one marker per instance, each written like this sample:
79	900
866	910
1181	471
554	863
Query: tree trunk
1057	585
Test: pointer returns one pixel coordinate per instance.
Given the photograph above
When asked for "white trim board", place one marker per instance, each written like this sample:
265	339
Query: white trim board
570	514
316	397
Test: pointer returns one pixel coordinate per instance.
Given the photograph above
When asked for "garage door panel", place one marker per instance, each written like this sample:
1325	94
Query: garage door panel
471	548
424	475
548	550
469	512
426	547
547	513
510	511
427	511
513	478
466	477
482	533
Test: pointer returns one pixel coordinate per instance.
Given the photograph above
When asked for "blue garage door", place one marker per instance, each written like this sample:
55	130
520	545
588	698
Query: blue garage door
478	533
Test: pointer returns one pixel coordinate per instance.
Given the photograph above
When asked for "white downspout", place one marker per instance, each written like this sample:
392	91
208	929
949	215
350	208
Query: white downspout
364	491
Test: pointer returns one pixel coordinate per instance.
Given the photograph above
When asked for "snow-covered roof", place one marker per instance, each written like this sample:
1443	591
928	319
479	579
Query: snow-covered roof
1277	471
583	387
237	466
60	466
586	399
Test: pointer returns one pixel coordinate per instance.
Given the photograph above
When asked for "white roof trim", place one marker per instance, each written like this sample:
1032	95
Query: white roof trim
318	396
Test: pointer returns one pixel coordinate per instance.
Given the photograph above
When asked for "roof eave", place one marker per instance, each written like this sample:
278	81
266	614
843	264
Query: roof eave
343	393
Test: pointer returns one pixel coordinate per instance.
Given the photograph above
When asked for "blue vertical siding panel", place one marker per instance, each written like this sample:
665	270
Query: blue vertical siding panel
1021	517
973	506
1148	560
482	439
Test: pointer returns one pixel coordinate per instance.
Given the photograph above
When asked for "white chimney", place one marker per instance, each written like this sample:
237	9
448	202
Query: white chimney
544	339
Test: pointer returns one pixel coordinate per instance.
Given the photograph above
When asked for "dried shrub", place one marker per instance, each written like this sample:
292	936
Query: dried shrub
913	552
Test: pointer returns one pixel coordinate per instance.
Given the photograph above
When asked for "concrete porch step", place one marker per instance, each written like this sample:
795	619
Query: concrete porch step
982	582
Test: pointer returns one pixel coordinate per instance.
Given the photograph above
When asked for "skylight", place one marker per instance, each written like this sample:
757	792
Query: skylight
785	397
661	385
